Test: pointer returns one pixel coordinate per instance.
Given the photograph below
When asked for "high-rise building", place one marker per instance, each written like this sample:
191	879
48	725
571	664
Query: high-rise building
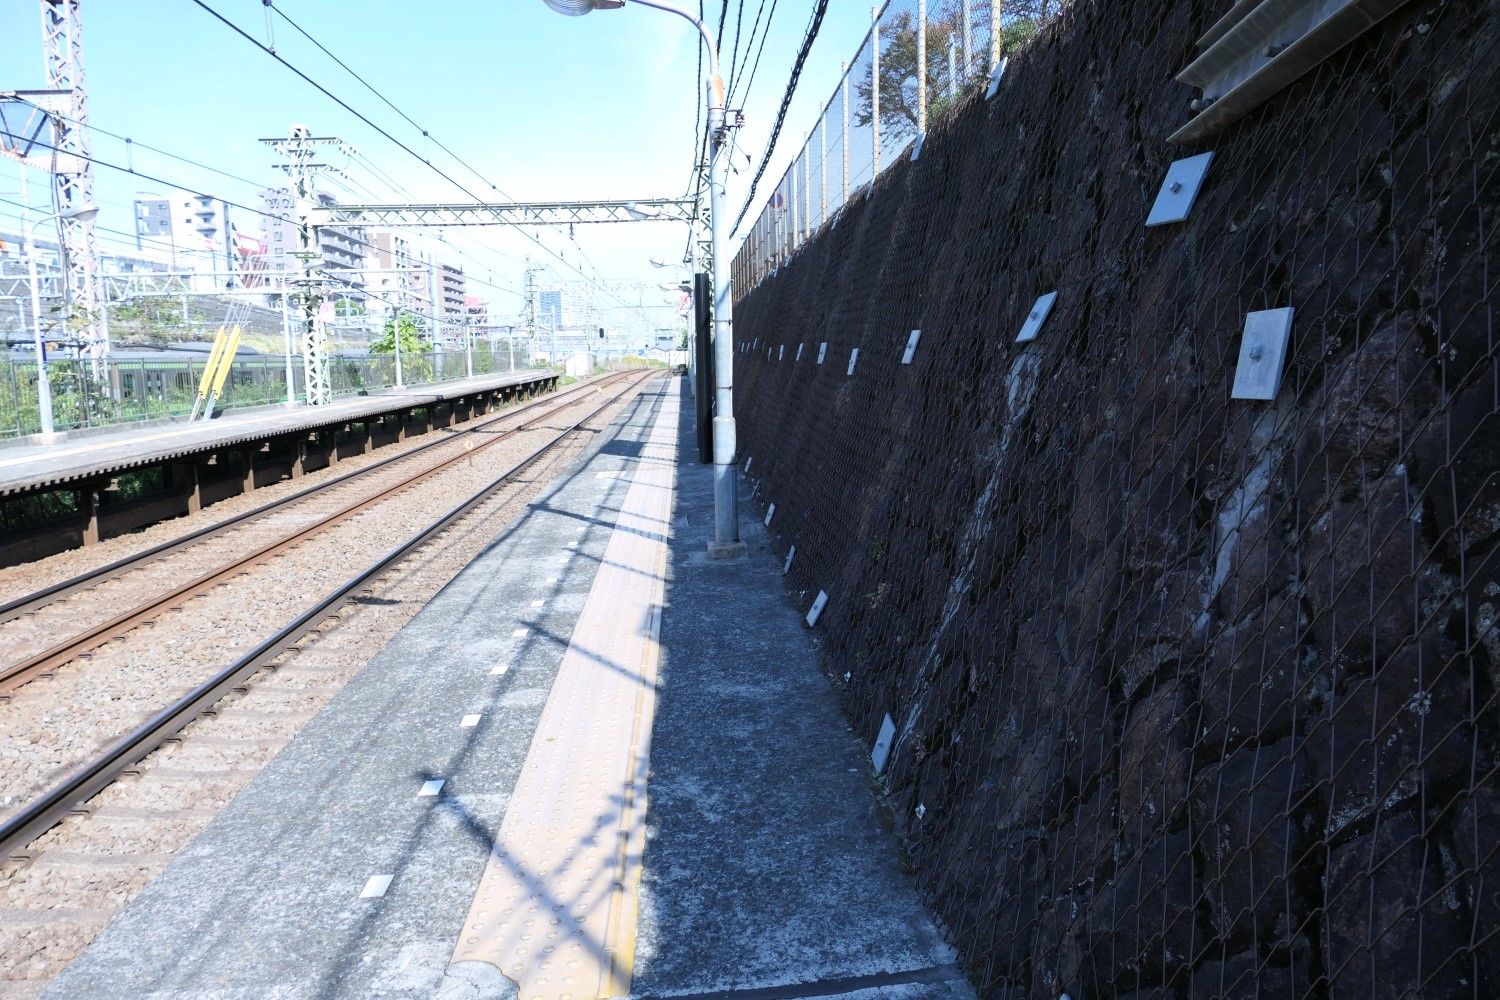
549	309
342	252
153	220
395	275
189	232
441	287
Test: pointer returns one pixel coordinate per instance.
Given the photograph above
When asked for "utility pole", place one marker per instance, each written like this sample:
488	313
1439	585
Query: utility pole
73	178
529	290
286	336
298	151
228	243
432	300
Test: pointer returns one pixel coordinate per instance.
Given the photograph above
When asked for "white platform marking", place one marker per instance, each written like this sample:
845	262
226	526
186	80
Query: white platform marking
376	886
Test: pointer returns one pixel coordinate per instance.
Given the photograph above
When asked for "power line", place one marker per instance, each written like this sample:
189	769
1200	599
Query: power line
739	20
207	194
383	99
383	132
755	66
395	186
786	101
723	17
133	143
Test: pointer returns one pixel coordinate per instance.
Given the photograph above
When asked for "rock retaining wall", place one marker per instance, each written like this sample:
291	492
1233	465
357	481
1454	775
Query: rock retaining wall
1192	696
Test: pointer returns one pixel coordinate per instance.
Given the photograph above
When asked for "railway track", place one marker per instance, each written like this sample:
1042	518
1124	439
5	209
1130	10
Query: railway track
17	673
42	812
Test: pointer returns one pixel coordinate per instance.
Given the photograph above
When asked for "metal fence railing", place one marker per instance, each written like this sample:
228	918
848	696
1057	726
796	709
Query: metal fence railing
126	391
881	106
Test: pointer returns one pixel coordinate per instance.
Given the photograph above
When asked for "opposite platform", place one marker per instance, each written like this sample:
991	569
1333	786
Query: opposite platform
39	466
478	788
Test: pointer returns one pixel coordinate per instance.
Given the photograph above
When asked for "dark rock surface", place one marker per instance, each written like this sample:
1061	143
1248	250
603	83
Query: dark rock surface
1194	696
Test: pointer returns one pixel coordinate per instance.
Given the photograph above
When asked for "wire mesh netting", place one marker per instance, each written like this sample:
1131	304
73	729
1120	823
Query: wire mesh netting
1186	695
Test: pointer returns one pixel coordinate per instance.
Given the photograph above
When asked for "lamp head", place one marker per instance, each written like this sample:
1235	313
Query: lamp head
577	8
85	213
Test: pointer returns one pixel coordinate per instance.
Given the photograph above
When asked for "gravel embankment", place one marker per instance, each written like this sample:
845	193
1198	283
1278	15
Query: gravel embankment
52	725
88	867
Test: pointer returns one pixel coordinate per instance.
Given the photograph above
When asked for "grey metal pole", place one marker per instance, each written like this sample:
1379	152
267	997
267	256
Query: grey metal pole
875	90
43	384
726	503
103	309
823	165
921	67
726	514
286	337
845	104
432	300
396	339
807	200
968	17
995	29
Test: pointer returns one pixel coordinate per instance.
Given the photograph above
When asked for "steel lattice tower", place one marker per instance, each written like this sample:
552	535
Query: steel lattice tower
73	170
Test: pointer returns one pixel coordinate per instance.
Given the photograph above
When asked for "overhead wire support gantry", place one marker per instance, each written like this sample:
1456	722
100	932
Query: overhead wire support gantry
507	214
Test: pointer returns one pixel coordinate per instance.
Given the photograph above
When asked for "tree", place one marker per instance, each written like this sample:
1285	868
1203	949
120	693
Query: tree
898	60
415	361
412	341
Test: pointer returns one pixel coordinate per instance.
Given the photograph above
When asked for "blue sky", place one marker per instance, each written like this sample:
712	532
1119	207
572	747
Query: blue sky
546	107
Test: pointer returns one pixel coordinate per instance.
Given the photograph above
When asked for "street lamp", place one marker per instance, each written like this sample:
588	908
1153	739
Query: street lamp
726	519
43	384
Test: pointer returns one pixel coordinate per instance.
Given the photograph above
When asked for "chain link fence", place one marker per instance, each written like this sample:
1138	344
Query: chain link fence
1172	693
881	106
126	391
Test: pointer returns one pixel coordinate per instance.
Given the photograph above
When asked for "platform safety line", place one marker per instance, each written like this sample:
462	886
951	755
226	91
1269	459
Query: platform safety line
623	922
556	908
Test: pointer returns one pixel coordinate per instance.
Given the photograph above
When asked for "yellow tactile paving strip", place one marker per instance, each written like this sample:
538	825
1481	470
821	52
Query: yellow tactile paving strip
556	908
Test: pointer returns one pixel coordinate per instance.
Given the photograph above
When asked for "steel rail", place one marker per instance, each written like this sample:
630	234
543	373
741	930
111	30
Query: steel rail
38	599
21	828
15	675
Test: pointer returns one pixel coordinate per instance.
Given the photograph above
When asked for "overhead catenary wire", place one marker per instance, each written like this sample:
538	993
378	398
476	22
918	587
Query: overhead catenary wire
598	280
427	161
190	189
132	143
383	99
426	134
734	87
786	102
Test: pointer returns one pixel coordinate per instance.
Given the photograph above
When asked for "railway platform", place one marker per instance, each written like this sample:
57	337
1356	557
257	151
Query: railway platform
188	466
596	764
